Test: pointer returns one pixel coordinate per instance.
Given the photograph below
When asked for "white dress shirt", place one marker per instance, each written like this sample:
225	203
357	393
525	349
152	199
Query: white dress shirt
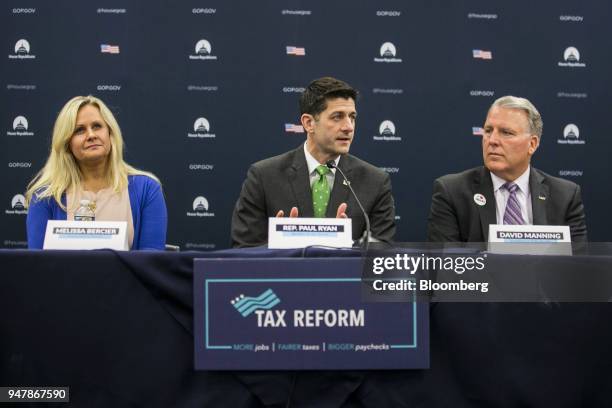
312	169
523	195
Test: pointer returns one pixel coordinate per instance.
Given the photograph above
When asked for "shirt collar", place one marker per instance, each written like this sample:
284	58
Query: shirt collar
313	163
522	182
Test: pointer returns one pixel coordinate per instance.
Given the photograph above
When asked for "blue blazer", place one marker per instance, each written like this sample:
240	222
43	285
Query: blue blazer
149	215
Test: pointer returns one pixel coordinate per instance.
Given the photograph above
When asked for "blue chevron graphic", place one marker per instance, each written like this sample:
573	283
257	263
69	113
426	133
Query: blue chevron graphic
246	305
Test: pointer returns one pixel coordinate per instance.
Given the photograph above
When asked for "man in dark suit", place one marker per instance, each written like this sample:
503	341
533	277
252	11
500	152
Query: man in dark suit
285	184
507	190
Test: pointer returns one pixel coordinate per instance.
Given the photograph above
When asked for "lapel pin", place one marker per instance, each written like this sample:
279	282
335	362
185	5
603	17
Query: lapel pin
480	199
345	182
541	197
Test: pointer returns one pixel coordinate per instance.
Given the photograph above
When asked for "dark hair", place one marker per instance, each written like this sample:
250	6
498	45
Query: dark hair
314	99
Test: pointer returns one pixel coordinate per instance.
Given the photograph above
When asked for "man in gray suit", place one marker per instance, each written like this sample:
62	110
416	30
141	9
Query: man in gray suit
298	182
507	190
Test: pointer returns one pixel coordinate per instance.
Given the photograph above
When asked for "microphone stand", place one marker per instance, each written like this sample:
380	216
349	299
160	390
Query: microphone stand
364	241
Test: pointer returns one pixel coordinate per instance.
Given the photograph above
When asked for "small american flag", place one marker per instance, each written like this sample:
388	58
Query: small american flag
477	131
109	49
482	54
296	51
290	127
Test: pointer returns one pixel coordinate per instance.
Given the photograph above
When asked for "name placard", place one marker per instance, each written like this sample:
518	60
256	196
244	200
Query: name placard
530	239
292	314
61	234
303	232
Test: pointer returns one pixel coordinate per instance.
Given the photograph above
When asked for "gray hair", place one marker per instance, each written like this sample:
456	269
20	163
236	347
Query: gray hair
533	116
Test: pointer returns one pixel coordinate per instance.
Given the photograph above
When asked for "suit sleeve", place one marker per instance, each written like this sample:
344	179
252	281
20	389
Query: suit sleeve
153	218
382	216
442	225
576	218
249	220
39	212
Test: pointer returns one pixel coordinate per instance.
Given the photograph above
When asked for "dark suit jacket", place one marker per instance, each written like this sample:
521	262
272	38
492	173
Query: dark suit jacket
282	182
455	217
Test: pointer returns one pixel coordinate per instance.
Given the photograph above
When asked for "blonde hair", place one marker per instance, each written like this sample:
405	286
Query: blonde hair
61	171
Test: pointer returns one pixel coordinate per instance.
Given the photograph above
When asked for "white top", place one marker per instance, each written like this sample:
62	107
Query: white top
312	166
523	195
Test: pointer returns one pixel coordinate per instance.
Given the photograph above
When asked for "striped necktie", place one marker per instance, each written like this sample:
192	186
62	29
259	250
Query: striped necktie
513	214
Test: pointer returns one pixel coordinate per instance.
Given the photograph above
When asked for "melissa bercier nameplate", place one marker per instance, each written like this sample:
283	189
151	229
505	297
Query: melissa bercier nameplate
303	232
86	235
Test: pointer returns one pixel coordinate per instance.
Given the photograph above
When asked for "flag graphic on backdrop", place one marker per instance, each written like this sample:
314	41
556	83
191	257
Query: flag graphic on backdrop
290	127
109	49
299	51
482	54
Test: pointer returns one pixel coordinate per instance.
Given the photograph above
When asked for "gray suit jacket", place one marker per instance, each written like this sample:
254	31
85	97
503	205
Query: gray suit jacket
455	217
282	182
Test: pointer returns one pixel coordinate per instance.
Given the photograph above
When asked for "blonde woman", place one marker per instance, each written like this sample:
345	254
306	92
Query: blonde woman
86	162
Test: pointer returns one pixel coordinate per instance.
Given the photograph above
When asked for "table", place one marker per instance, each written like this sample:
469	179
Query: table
117	328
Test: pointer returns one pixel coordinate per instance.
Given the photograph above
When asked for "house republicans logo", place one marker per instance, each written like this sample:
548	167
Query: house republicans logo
571	135
20	127
200	208
386	132
22	50
571	131
388	53
571	58
17	206
571	54
203	51
201	129
200	204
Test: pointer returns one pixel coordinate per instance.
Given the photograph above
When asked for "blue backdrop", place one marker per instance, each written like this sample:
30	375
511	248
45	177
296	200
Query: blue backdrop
431	68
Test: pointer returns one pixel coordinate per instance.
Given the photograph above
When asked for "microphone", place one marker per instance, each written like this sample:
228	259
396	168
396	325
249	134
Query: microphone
365	238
